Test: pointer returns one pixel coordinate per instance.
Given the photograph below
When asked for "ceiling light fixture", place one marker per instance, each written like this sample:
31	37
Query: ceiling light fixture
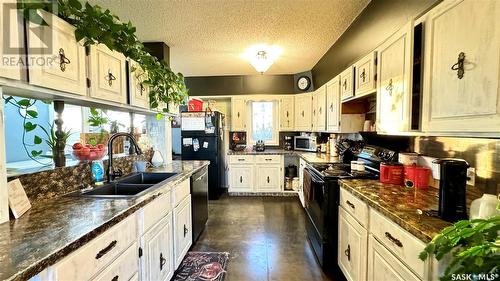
261	57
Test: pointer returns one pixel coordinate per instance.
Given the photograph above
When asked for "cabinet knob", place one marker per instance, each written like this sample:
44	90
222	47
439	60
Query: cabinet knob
185	230
115	278
110	78
347	252
363	75
331	107
459	66
63	60
162	261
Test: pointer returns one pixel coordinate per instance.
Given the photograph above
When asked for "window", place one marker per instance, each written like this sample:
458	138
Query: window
264	122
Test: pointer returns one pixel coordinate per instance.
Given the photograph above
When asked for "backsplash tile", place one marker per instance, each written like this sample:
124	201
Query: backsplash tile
481	153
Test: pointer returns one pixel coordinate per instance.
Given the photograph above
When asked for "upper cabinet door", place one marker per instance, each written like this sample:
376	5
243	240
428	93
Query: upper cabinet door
320	108
15	40
346	80
287	113
462	67
57	40
139	93
365	79
394	81
108	72
238	114
333	104
303	112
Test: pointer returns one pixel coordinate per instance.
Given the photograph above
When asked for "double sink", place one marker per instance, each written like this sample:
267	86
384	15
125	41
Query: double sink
133	185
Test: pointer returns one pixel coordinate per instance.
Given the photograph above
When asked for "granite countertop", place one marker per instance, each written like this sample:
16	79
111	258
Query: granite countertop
52	229
400	204
310	157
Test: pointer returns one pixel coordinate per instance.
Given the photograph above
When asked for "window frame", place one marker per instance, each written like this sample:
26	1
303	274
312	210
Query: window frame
275	103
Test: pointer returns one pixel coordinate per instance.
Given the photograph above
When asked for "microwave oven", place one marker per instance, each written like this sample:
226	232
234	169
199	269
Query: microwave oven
305	143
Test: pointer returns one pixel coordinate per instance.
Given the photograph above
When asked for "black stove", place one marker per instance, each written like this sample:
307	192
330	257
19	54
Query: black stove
321	195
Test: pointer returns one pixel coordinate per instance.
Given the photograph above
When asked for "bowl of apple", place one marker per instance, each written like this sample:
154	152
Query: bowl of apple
89	152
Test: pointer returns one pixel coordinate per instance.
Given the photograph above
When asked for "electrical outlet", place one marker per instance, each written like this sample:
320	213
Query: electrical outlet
471	176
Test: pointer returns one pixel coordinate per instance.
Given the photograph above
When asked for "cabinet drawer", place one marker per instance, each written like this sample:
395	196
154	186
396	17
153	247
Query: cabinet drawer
123	268
357	208
241	159
156	210
404	245
180	192
98	253
270	159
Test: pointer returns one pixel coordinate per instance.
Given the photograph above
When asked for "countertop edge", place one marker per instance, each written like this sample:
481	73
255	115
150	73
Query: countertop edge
387	213
59	254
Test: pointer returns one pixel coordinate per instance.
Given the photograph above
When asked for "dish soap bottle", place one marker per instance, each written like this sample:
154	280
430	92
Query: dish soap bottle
97	168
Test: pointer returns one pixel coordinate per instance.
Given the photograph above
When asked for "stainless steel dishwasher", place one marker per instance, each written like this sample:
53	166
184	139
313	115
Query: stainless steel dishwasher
199	201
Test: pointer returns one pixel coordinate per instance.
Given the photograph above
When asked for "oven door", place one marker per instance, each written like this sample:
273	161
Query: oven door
315	197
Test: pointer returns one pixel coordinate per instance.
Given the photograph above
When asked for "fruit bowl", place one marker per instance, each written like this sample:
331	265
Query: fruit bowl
88	152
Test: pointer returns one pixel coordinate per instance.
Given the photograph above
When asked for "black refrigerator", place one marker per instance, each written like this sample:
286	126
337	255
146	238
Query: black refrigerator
202	138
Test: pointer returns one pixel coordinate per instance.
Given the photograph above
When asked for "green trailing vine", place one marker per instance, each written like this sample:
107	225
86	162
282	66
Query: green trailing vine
473	247
95	25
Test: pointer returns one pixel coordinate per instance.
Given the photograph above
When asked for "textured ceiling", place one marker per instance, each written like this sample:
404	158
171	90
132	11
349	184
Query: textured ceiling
207	37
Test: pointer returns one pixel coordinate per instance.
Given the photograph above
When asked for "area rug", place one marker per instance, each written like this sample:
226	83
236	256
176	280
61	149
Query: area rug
202	266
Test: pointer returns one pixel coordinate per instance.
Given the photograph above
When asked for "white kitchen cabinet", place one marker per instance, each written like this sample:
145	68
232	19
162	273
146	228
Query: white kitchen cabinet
346	83
462	33
287	113
303	112
333	104
15	40
383	265
67	72
108	74
241	178
319	110
158	251
365	78
394	67
352	247
182	230
138	92
238	114
269	178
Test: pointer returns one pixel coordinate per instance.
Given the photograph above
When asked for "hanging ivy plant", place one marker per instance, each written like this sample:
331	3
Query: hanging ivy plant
95	25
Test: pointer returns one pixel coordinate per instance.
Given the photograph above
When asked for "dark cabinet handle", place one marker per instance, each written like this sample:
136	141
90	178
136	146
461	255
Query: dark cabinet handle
185	230
331	107
115	278
363	75
320	110
104	251
162	261
287	113
241	179
314	112
345	85
347	252
141	88
63	60
267	179
390	87
350	204
110	77
393	240
240	159
459	66
238	115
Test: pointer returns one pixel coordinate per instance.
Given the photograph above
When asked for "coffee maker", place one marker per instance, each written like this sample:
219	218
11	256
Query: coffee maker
452	189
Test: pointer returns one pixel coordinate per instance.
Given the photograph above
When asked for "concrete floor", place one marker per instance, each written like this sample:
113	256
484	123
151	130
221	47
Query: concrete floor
265	237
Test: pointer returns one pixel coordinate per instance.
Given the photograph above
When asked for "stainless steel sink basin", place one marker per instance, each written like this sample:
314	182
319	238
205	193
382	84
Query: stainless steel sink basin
128	186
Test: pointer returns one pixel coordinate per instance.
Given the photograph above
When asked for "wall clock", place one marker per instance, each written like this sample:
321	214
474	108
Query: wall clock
303	83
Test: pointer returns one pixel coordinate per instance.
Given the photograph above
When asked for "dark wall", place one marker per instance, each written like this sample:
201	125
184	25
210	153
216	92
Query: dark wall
240	85
378	21
159	50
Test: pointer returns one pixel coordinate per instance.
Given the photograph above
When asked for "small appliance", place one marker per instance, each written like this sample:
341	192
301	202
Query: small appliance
237	140
260	146
417	176
287	143
392	173
305	143
452	189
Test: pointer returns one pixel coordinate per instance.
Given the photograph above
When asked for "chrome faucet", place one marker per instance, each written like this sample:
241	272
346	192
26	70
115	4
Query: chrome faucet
111	173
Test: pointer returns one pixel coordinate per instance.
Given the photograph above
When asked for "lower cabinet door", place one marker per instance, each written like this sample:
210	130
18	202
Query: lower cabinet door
158	251
241	178
268	178
352	247
383	265
182	230
124	267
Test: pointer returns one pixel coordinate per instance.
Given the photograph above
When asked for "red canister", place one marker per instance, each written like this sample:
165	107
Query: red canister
392	173
417	176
